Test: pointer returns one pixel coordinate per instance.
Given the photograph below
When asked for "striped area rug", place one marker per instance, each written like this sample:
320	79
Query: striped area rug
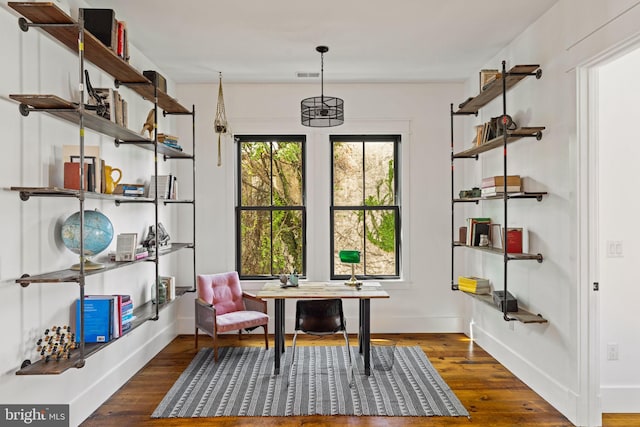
242	384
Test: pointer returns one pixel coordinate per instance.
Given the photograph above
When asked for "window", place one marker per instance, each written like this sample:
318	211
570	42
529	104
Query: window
365	211
270	216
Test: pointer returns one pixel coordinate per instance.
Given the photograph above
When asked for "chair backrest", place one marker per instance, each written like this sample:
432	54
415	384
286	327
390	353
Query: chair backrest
222	290
320	317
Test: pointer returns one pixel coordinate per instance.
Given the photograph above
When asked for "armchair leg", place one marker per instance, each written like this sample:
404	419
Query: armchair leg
215	347
266	337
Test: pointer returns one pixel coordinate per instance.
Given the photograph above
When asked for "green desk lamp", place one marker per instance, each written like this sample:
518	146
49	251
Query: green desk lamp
351	257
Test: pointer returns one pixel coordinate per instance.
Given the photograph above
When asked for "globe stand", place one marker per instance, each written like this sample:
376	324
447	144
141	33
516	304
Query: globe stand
88	265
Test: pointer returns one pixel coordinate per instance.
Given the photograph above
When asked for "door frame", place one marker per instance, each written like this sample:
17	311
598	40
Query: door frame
588	245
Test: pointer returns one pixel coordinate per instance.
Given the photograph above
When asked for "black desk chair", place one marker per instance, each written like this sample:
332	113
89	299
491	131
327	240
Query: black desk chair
320	317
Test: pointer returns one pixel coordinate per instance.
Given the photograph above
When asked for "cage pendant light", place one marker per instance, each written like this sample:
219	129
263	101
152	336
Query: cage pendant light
220	123
322	111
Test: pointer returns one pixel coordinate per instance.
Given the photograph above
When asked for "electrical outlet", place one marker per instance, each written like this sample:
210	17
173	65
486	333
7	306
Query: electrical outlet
615	249
612	351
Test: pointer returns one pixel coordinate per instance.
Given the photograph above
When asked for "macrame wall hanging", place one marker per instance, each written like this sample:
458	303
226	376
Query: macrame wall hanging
220	123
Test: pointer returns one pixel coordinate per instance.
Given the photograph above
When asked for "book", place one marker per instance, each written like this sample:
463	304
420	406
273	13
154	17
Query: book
475	228
98	319
126	246
514	240
473	284
494	191
71	153
102	24
164	187
498	181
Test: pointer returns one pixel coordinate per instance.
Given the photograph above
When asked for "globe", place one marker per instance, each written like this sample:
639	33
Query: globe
98	234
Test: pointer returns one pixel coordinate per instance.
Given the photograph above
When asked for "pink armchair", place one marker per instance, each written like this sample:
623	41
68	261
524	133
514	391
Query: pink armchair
222	306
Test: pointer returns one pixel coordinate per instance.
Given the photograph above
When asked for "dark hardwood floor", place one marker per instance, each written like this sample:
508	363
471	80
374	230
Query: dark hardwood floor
491	394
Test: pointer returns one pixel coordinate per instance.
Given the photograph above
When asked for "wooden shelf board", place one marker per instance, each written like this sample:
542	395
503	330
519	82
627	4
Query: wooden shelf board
519	195
513	136
143	313
73	276
521	315
26	192
512	256
66	110
94	51
494	89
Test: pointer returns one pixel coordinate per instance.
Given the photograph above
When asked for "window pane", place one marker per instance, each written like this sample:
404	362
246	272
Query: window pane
347	234
287	242
380	244
255	250
347	174
256	174
287	173
379	173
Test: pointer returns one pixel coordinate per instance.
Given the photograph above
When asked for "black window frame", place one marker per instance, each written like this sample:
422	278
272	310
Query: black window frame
396	207
239	139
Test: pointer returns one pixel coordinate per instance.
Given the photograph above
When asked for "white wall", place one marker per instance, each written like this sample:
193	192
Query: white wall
618	147
33	63
421	301
551	357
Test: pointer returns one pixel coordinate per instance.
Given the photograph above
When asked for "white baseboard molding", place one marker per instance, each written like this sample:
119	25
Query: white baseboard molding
558	395
379	325
620	399
108	370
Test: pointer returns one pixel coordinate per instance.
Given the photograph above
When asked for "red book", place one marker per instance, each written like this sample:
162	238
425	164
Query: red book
514	241
120	46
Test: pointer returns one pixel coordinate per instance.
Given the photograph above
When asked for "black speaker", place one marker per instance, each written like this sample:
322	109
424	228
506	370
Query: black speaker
103	25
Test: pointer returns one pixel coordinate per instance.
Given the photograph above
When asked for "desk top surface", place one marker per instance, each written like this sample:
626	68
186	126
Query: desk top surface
322	290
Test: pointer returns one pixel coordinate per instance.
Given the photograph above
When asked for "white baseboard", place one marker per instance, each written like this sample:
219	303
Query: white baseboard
112	367
620	400
559	396
382	325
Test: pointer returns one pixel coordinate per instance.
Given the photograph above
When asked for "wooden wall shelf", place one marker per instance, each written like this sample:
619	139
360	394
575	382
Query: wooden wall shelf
521	315
142	313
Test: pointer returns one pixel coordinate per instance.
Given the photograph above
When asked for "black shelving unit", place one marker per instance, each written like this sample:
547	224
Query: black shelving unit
49	18
496	89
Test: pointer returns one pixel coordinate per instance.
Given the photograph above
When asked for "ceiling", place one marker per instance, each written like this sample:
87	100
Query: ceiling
369	40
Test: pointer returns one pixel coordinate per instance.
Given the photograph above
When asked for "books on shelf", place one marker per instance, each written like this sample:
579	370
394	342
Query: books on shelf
130	190
474	285
498	181
98	319
126	245
499	191
169	141
514	240
477	227
167	187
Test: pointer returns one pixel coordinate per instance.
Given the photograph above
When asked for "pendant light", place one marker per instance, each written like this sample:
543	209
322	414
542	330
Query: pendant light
322	111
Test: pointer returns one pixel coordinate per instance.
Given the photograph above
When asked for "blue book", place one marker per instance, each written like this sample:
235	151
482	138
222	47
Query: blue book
98	319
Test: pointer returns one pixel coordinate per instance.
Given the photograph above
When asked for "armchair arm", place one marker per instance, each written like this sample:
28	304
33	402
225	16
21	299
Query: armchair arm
205	315
253	303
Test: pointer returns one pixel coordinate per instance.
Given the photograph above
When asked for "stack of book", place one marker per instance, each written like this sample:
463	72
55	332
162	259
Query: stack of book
126	313
494	185
106	317
474	285
169	141
130	190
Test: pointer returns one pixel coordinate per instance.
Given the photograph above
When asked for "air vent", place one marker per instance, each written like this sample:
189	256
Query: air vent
305	75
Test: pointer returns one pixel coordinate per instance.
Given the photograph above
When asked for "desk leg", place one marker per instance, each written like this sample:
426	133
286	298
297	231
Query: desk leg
365	312
279	335
360	323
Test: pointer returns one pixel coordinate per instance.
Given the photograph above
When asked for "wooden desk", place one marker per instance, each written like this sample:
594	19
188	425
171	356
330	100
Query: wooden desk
323	290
